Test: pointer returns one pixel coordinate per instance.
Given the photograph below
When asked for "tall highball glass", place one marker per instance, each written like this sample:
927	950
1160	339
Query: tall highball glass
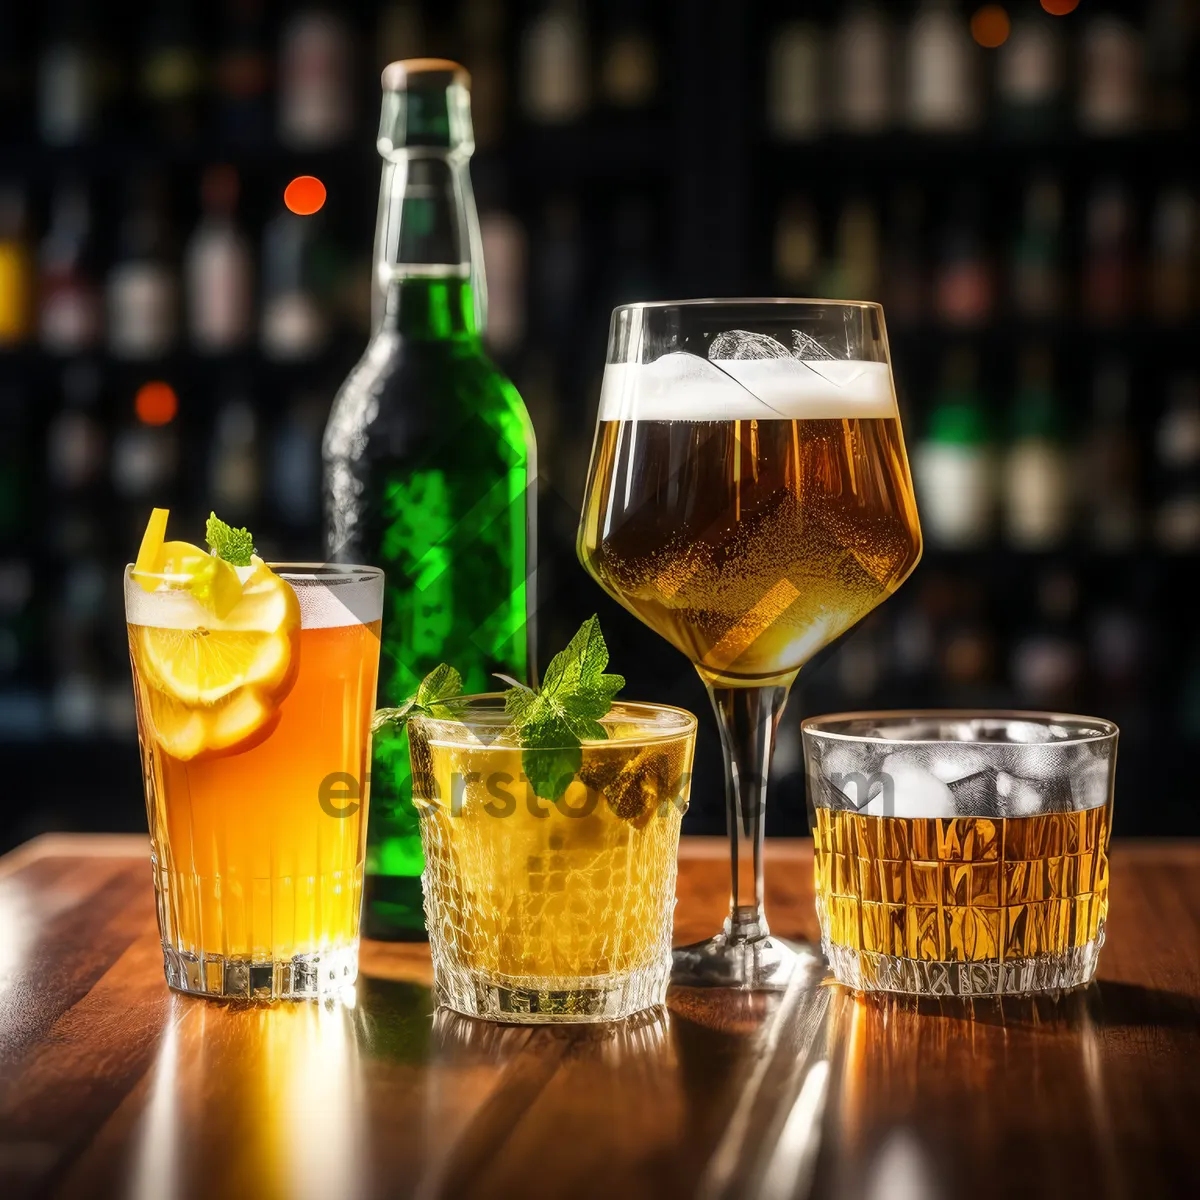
749	499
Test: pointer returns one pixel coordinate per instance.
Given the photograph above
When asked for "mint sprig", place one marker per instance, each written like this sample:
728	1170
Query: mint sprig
553	721
235	546
442	684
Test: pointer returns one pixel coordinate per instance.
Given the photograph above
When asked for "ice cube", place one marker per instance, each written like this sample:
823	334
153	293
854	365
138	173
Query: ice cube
951	763
804	345
977	794
910	790
741	344
1017	797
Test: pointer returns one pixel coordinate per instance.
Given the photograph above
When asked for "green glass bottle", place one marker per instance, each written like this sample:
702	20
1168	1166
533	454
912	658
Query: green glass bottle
430	461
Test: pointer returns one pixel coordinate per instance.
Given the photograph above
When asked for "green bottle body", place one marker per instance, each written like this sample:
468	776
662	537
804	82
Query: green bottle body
430	474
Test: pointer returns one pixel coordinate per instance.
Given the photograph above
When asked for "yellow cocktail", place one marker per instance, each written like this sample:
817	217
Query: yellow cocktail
551	910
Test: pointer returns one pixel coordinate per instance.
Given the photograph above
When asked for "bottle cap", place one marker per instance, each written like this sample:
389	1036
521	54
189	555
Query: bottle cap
426	105
408	73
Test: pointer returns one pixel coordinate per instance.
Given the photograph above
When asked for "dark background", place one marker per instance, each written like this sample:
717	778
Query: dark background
626	151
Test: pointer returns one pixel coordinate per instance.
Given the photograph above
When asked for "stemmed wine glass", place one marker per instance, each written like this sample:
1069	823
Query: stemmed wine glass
749	499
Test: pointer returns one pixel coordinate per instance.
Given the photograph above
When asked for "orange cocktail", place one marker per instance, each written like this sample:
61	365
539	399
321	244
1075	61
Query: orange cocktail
254	727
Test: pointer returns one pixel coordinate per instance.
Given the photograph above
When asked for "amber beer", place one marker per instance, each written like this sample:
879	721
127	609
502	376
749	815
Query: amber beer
763	526
961	890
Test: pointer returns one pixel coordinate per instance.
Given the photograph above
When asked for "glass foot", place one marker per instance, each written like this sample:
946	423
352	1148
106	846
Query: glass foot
763	964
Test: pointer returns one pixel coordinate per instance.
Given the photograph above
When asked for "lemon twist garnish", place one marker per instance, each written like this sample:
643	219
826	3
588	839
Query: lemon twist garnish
215	686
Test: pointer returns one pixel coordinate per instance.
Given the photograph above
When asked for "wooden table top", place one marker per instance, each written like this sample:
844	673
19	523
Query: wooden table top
110	1085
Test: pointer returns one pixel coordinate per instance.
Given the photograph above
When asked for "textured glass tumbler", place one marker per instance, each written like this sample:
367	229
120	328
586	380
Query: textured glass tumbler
961	854
545	910
257	845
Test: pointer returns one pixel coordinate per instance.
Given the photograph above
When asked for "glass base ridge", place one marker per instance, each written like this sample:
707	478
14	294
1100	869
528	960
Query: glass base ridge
302	977
867	971
533	1000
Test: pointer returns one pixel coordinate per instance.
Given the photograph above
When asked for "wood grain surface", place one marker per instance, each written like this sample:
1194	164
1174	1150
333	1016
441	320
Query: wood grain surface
112	1086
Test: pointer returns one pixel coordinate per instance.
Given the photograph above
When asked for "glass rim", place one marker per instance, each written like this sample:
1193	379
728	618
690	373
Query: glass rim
1085	728
311	572
747	302
646	734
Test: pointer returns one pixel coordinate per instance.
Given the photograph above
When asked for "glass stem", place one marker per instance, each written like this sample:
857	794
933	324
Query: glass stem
748	717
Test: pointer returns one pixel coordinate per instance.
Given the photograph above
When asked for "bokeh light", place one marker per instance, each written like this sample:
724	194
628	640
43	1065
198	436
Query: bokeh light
1060	8
156	403
304	195
990	26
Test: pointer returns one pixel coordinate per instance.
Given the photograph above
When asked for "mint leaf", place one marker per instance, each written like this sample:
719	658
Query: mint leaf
235	546
392	716
548	757
442	683
552	722
432	698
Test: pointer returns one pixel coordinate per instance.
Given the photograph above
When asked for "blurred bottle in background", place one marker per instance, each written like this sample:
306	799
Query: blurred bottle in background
76	444
234	468
954	463
145	455
1036	473
861	70
483	25
142	292
69	75
1029	77
1177	468
964	280
294	321
1110	88
628	60
1036	257
797	247
1047	657
554	76
242	75
906	277
942	93
559	270
1171	35
1174	274
853	272
1109	464
295	462
218	270
1108	266
316	90
16	269
504	255
172	71
794	93
69	297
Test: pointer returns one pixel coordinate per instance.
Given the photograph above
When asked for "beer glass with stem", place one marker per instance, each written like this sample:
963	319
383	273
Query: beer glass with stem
749	499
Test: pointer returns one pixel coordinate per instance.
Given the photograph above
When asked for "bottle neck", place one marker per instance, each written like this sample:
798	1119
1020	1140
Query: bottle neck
428	256
429	306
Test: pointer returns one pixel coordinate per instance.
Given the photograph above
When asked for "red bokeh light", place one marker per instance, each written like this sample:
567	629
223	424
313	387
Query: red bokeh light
1060	8
156	403
304	195
990	26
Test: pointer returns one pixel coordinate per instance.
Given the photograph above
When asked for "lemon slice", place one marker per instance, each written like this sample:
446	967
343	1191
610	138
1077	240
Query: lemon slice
217	685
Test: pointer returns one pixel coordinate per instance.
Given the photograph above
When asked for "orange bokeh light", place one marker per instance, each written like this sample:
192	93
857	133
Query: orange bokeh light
1060	8
990	26
156	403
304	195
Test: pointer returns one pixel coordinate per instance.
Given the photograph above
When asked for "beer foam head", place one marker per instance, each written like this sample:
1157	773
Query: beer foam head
683	387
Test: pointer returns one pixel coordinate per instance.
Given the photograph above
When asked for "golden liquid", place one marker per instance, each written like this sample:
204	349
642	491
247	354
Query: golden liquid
964	889
247	862
519	888
750	545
